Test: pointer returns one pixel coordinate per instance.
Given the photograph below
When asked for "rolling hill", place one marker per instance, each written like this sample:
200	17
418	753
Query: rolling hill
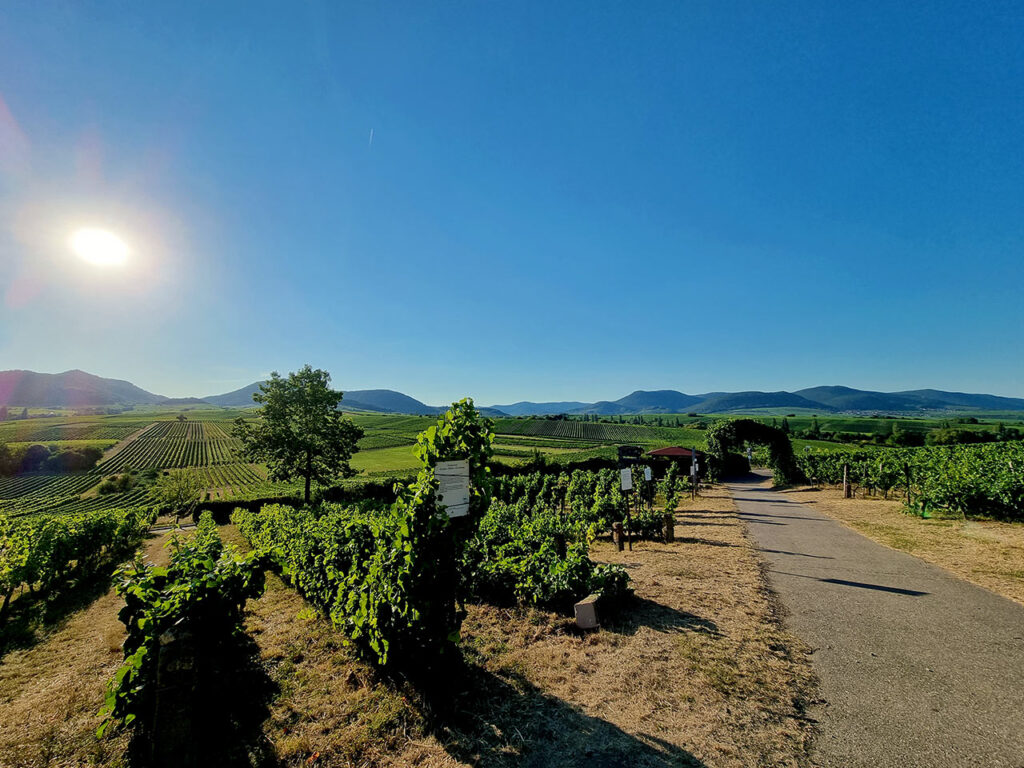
70	389
73	389
821	399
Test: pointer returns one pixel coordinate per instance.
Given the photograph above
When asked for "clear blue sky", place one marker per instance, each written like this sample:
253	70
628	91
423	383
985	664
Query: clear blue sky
559	200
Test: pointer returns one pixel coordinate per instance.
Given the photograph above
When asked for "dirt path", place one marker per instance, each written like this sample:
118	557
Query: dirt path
50	693
917	667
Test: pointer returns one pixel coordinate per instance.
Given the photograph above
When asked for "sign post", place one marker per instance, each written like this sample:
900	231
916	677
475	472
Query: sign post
453	486
648	488
626	479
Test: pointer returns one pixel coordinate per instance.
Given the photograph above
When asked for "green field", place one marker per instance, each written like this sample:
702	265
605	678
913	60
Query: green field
153	441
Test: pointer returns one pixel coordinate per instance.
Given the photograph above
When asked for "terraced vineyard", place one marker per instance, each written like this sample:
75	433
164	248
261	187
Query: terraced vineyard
29	432
597	432
29	486
166	444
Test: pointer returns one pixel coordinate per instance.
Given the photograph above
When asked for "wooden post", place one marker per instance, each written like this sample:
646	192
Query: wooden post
617	536
846	481
669	527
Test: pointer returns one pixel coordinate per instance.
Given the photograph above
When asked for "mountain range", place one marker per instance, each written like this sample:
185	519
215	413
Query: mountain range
74	389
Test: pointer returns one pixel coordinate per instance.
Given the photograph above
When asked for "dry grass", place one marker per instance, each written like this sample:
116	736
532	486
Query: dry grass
51	691
696	671
987	553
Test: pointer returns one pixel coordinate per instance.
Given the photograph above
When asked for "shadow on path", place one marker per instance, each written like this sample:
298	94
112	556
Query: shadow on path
858	584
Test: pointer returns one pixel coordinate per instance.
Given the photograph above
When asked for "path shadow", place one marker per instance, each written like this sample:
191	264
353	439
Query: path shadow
858	584
507	722
784	517
708	542
795	554
788	502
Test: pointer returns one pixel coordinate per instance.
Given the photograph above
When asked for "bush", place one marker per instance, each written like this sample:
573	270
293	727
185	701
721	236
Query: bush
202	595
388	578
538	557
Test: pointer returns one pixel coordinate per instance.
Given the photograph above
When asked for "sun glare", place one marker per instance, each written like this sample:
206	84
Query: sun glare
99	247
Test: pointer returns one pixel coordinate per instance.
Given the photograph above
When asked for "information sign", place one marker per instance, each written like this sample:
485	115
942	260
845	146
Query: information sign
627	479
453	486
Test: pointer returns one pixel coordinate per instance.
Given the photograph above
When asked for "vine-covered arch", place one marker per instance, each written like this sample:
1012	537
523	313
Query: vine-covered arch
727	437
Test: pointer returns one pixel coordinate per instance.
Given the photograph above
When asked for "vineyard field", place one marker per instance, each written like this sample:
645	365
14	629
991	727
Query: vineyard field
33	486
598	432
167	444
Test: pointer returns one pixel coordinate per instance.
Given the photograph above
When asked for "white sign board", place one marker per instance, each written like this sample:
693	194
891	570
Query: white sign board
627	479
647	474
453	486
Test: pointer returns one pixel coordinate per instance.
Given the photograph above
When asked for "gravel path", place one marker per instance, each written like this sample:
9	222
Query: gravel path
917	667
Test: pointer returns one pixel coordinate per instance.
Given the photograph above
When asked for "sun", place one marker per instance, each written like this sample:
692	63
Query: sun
99	247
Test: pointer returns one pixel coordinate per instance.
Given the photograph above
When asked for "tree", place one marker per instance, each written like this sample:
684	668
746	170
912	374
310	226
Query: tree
3	413
182	417
178	490
300	432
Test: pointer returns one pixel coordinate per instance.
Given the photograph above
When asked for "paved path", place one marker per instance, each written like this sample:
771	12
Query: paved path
917	667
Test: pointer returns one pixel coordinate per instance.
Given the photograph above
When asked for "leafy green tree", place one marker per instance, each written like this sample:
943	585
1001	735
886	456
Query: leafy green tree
785	425
178	490
300	432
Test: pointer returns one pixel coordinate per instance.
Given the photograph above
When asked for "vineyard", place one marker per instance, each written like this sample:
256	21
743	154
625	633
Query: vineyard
390	577
979	480
28	432
48	551
597	432
173	444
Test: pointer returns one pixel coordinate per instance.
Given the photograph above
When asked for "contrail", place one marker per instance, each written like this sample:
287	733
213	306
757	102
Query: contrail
371	138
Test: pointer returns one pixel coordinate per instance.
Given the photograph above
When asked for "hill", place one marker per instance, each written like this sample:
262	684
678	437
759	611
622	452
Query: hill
375	400
847	399
526	408
75	389
724	402
71	389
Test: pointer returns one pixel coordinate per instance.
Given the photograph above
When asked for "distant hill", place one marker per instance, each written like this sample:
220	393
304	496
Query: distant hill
374	400
744	401
847	399
387	401
822	399
239	398
78	389
71	389
525	408
658	401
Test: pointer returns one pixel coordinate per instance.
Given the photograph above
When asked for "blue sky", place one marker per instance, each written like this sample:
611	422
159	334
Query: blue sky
558	201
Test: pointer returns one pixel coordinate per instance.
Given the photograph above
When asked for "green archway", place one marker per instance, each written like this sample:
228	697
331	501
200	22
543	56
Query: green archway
727	437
